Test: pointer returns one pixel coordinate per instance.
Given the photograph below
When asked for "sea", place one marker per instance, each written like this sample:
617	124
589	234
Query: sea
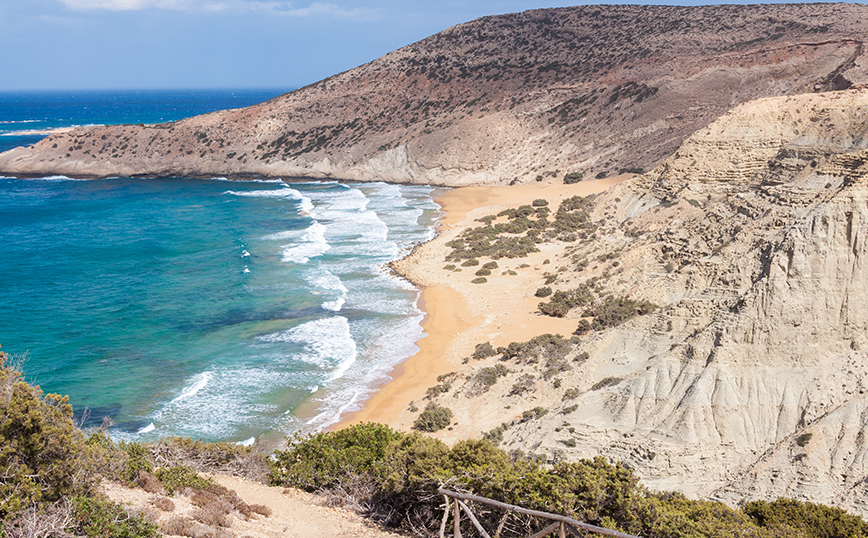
206	308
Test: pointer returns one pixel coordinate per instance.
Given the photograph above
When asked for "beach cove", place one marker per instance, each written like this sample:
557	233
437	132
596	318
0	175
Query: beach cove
459	314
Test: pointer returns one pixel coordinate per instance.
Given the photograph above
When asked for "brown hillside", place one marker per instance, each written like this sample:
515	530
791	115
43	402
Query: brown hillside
592	89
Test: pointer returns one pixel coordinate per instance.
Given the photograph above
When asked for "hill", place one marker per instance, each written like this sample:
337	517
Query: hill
589	89
716	339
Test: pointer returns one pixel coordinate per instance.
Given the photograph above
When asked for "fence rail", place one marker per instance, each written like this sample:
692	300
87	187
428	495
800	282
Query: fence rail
562	524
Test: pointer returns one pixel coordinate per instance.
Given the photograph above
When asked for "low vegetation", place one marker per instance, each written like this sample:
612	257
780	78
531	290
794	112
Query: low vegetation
433	418
51	477
397	476
524	228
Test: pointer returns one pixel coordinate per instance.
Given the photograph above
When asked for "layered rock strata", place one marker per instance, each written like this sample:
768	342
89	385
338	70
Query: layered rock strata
750	379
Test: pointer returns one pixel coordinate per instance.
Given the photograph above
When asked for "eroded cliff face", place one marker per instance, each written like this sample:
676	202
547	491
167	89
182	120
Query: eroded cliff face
590	89
750	379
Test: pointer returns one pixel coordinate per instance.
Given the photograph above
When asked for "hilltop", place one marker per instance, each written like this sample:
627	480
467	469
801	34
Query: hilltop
502	99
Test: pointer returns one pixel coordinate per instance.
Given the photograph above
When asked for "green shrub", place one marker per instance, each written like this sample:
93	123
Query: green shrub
483	351
470	263
177	477
99	518
573	177
545	291
606	382
490	265
483	272
326	459
433	418
540	202
535	413
138	459
583	327
495	436
550	347
479	280
787	517
42	454
401	491
803	439
437	390
616	310
487	377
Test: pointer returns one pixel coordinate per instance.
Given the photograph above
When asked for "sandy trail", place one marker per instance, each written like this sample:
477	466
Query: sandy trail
294	512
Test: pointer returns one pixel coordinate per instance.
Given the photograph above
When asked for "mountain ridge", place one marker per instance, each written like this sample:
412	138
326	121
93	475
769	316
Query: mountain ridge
501	99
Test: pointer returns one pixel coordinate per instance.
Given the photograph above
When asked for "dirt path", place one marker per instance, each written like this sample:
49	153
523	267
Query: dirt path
294	513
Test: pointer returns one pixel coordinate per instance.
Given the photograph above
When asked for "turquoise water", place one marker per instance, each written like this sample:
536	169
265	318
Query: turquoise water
204	308
208	308
24	111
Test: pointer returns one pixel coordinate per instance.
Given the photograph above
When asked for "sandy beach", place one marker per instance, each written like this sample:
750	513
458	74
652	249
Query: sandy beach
460	314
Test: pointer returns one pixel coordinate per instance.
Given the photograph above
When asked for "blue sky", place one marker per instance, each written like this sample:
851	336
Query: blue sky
118	44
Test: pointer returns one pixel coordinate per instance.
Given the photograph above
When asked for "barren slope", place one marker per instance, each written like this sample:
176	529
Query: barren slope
592	89
750	380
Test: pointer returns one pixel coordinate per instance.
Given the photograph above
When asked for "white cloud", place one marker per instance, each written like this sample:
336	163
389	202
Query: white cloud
237	6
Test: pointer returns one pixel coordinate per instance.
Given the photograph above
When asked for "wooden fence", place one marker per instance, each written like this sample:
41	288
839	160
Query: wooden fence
562	524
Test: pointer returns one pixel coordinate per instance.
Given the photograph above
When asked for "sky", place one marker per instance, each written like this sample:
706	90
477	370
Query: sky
164	44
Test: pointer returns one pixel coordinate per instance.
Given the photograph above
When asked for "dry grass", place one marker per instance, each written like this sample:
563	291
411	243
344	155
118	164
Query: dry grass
181	526
149	482
163	503
49	522
260	509
229	458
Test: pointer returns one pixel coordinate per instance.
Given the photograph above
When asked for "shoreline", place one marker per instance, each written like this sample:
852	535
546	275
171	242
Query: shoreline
458	314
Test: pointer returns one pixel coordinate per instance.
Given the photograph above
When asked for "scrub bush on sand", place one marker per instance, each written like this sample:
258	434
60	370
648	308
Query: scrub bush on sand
400	474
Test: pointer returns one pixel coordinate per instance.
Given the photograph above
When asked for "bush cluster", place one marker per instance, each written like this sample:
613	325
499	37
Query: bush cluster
43	457
561	302
616	310
573	177
525	226
399	474
433	418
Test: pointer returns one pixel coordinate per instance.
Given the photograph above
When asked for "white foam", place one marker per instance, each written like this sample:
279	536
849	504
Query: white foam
328	344
147	429
229	401
245	254
286	192
313	243
199	382
246	270
247	442
57	178
272	181
328	282
6	122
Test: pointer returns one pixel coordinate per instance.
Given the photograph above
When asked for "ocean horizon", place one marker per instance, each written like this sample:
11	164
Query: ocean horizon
208	308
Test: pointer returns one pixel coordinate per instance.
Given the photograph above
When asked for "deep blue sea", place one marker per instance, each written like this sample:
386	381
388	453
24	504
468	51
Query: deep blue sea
206	308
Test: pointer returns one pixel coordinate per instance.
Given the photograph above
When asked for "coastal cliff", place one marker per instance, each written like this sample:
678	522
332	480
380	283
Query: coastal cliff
502	99
749	379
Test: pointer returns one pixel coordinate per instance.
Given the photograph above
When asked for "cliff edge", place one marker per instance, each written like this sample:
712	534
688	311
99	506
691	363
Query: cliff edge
749	380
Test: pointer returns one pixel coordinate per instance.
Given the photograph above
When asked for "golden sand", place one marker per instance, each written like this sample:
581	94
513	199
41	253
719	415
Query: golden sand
460	314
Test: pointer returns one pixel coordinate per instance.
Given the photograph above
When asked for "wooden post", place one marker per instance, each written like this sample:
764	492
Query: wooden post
456	515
